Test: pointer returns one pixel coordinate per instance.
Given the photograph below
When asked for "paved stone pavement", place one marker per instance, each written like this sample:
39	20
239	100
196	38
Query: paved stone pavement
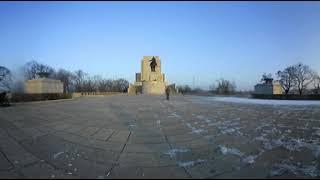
150	137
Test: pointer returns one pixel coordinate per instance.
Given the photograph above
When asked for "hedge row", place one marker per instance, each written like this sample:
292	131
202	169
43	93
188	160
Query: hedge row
39	97
287	97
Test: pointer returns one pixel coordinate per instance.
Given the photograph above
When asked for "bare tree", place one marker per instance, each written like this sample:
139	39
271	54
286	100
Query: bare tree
121	85
97	81
33	69
212	88
316	83
79	78
104	85
66	78
184	89
303	76
225	87
266	77
88	85
287	78
5	79
30	69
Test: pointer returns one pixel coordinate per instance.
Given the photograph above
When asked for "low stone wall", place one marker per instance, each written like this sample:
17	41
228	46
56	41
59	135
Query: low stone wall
23	97
286	97
26	97
79	94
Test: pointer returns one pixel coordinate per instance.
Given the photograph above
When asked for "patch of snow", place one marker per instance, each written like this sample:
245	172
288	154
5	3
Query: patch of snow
265	101
280	169
225	150
173	152
288	131
197	131
200	117
189	125
230	130
174	115
215	123
249	159
190	163
57	154
261	138
293	144
317	132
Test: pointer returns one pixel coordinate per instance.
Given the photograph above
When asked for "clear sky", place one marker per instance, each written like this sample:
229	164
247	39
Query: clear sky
205	40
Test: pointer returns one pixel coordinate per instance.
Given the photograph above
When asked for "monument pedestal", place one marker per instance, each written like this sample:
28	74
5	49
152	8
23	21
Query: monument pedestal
153	87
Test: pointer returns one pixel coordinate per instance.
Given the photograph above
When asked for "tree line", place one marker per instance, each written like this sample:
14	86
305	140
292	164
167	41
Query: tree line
299	78
294	79
76	81
222	86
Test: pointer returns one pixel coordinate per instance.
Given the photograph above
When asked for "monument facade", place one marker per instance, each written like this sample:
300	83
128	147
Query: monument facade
150	80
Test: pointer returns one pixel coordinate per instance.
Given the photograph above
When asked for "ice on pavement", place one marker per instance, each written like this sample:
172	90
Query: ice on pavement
265	101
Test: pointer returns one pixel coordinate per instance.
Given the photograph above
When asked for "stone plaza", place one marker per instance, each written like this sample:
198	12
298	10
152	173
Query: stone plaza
124	136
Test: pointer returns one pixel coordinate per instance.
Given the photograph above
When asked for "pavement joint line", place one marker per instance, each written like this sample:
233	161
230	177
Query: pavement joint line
5	156
95	148
109	137
31	164
117	160
79	130
96	131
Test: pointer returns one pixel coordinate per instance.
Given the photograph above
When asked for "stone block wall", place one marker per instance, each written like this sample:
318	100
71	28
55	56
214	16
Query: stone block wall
153	87
43	85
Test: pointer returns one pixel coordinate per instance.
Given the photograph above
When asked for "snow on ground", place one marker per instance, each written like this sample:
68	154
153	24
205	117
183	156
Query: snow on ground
294	168
265	101
173	152
190	163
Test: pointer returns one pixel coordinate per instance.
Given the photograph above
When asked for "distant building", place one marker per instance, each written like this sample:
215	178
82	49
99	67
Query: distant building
268	87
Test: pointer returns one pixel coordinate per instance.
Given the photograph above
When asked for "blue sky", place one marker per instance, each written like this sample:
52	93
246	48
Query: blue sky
195	40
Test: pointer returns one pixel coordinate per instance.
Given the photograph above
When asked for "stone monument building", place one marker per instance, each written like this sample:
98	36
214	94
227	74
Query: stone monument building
150	80
268	87
43	85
